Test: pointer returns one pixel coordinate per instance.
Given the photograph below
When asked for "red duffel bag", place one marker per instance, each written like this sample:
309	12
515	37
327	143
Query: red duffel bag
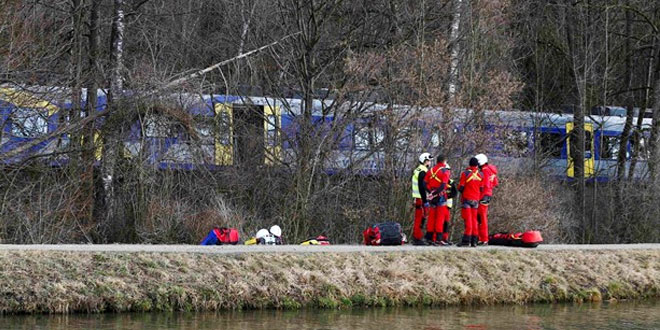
530	238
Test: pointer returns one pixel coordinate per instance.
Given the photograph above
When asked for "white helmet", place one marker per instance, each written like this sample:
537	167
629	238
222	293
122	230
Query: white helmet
262	233
482	159
424	157
276	230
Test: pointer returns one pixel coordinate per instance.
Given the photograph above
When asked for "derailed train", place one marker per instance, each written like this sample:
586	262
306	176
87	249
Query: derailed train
227	129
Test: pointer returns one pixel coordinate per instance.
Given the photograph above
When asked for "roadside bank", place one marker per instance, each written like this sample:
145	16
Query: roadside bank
67	282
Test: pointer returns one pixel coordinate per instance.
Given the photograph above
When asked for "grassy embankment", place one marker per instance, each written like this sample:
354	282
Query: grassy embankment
65	282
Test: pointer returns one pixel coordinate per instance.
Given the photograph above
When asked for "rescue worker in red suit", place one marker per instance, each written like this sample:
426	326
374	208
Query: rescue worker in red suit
437	181
490	175
419	196
471	186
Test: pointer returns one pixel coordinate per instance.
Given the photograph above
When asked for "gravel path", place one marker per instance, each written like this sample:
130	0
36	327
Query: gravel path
236	249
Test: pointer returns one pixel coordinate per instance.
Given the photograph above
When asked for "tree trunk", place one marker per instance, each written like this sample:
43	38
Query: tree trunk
111	134
89	147
654	156
638	133
455	48
246	25
75	72
623	142
117	51
577	135
76	64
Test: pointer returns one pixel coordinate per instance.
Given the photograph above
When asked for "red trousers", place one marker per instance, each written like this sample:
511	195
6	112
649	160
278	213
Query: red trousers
420	213
482	215
445	225
469	215
438	216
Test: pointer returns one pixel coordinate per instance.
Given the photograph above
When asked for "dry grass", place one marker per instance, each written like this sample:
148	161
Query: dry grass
67	282
527	202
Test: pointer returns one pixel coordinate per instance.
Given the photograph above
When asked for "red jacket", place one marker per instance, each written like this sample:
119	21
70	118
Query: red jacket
490	174
437	177
471	184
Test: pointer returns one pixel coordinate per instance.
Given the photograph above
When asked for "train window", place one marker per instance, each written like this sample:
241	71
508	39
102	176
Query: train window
435	140
600	111
368	138
403	139
28	123
204	131
224	128
648	113
550	144
63	142
157	126
609	147
617	111
378	136
643	149
271	129
515	143
361	139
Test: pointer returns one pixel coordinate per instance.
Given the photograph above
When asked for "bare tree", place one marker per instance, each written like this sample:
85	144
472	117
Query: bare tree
455	47
111	129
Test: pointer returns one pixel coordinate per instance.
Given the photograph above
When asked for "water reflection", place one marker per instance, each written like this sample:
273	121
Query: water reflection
622	315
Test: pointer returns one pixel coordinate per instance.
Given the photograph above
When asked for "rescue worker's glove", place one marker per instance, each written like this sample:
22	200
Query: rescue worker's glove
485	200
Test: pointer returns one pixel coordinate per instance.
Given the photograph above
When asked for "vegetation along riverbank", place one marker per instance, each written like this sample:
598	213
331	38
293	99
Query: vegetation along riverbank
68	282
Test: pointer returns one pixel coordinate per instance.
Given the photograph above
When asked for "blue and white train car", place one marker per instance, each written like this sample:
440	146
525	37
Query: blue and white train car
186	131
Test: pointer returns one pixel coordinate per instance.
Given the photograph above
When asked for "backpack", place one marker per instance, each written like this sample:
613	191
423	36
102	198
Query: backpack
220	236
227	235
386	233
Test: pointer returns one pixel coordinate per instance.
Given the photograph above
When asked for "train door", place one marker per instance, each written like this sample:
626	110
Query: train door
249	135
224	153
588	150
272	124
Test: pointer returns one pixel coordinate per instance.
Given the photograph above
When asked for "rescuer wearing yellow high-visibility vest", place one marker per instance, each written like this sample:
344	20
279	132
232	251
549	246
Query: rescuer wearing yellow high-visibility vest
419	196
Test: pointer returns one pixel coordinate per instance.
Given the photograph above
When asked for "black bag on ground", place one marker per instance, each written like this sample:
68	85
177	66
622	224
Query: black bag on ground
390	233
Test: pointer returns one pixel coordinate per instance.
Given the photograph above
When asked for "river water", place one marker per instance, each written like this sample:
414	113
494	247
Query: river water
620	315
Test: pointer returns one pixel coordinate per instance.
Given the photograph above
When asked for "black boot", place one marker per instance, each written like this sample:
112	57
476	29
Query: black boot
419	242
474	240
428	237
446	243
465	242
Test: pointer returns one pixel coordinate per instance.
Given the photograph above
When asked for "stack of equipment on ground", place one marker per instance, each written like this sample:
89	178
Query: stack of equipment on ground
220	236
386	233
318	240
